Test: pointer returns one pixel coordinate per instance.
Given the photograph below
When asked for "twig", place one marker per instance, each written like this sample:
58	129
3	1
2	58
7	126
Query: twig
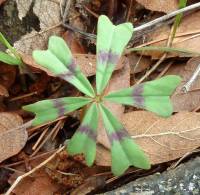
173	166
152	69
29	159
166	17
165	70
66	10
187	86
129	10
169	43
142	27
58	124
40	138
85	34
90	11
23	96
178	34
32	171
31	130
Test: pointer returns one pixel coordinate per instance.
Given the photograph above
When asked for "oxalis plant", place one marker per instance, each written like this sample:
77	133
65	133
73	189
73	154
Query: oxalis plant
152	96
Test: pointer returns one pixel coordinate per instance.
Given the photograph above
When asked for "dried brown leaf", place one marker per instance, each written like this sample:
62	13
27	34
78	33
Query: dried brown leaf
160	5
138	63
3	91
187	37
119	80
48	13
191	100
13	138
8	75
162	139
41	184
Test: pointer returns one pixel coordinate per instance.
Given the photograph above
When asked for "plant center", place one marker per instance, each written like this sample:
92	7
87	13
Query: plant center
98	98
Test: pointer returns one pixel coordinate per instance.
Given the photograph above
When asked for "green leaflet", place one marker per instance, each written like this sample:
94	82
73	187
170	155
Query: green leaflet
5	42
4	57
124	152
48	110
111	41
58	59
153	95
84	140
7	58
182	4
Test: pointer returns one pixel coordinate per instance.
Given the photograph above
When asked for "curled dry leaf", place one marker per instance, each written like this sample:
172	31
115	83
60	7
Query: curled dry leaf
190	100
187	37
48	13
163	139
119	80
160	5
13	138
3	91
40	184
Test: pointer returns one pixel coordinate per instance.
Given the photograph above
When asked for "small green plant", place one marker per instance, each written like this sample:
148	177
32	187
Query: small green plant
152	96
13	57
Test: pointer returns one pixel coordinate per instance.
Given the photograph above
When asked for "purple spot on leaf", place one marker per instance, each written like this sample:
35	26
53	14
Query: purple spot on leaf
118	135
58	104
72	66
137	95
67	76
88	131
108	57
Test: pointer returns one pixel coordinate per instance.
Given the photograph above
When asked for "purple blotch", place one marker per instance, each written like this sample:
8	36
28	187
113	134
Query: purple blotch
67	76
118	135
72	66
137	95
88	131
58	104
108	57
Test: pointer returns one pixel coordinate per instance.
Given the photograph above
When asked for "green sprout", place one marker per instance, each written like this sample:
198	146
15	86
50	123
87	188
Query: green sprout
153	96
12	58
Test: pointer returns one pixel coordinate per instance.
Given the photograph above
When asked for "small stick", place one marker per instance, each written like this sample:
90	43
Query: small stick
90	11
32	171
187	86
165	70
40	138
141	27
31	130
30	159
47	137
166	17
169	43
23	96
